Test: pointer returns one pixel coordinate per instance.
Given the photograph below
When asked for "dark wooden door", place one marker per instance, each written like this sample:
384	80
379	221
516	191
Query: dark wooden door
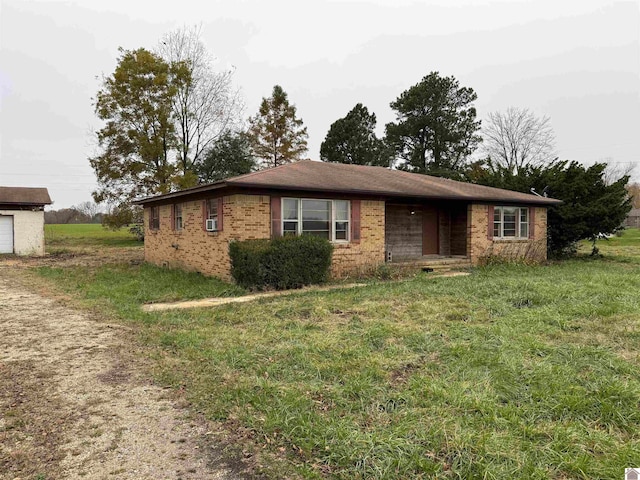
430	230
403	231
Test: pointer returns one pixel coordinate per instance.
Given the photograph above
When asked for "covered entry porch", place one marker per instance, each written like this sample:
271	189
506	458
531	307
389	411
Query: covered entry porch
433	232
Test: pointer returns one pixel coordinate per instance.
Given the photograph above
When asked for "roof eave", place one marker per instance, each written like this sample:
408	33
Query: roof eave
26	204
470	198
377	193
181	193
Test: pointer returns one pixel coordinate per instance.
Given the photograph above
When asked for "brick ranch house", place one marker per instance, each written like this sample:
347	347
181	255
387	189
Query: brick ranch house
372	215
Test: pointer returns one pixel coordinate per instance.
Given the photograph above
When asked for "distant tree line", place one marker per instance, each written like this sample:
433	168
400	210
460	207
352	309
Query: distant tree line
86	212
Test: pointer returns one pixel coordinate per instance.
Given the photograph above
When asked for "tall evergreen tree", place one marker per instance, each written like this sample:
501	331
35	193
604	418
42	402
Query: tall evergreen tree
276	134
436	127
352	140
229	156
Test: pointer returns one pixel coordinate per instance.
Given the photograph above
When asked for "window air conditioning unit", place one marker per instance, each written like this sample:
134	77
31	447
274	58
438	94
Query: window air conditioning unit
211	224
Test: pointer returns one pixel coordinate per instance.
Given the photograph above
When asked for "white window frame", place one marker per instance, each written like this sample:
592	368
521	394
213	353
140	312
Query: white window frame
333	220
519	223
177	214
210	205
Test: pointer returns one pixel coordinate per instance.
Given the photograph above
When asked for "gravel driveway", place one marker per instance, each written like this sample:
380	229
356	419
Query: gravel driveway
74	405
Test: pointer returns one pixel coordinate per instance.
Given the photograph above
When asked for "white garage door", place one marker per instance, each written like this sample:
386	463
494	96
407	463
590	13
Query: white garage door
6	234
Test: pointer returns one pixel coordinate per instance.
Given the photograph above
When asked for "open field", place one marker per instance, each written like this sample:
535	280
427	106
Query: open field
85	245
512	372
624	248
87	235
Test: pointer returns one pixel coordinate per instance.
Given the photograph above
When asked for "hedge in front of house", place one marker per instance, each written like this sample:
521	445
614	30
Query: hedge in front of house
281	263
247	261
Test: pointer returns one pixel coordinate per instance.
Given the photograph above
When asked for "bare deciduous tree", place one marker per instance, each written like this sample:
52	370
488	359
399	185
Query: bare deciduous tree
517	138
634	193
616	170
89	209
205	106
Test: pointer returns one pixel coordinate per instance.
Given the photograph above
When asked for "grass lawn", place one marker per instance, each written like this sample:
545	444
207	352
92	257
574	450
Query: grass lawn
87	235
624	248
512	372
629	238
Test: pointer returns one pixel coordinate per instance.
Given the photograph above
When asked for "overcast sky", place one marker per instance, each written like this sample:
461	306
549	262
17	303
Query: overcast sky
576	61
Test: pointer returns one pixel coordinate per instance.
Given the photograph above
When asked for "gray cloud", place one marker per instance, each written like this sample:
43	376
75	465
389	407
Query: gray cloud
578	62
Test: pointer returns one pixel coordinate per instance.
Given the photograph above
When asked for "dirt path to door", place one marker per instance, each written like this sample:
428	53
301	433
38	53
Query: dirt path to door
74	405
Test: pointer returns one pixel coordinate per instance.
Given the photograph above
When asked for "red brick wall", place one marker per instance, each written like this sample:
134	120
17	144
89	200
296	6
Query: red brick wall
354	258
248	217
244	217
479	246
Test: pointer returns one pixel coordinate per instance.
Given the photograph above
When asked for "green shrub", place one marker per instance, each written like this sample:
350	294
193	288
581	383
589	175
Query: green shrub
281	263
247	262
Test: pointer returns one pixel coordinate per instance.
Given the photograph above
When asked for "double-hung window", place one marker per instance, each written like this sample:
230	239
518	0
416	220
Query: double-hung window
154	218
212	214
341	220
323	218
510	222
177	216
290	216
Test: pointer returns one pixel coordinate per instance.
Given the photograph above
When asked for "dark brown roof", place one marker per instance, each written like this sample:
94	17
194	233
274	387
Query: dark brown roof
24	196
314	176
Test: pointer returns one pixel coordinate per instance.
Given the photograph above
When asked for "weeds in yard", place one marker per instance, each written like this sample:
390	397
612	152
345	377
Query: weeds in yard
123	288
513	372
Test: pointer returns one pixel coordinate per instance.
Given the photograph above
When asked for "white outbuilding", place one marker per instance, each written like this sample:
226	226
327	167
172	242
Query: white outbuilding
22	220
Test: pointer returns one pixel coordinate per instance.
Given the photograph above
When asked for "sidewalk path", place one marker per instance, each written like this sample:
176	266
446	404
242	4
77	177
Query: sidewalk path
216	302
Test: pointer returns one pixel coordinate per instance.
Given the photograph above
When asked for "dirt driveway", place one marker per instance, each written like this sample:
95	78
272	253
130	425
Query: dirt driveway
74	405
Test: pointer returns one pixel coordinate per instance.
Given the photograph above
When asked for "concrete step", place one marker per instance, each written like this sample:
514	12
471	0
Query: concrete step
433	261
447	266
436	264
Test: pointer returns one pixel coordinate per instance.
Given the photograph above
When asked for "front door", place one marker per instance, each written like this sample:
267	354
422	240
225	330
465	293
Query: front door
403	231
430	235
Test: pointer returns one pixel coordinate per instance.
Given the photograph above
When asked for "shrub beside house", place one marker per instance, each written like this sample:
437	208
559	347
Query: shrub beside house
281	263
